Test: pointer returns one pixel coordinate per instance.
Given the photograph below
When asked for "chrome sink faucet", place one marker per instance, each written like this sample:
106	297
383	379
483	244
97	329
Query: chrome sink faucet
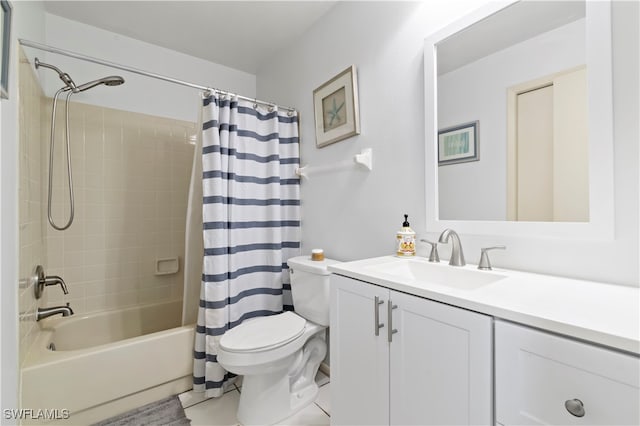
43	313
457	257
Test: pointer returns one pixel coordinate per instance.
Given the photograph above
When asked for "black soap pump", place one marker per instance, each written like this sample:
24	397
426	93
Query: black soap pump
406	240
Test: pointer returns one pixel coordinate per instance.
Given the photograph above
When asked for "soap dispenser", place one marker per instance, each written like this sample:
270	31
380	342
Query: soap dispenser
406	239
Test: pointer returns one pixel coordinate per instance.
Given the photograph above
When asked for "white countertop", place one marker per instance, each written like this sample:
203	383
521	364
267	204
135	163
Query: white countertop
602	313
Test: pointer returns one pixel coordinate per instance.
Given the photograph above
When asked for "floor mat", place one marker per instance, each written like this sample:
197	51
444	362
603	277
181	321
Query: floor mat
166	412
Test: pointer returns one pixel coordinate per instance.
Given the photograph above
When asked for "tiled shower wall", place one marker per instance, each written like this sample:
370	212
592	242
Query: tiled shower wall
131	177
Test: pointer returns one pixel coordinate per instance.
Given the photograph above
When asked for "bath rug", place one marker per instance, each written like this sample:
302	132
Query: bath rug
166	412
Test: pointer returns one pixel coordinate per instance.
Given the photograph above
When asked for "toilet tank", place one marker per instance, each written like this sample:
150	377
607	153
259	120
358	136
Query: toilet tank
310	288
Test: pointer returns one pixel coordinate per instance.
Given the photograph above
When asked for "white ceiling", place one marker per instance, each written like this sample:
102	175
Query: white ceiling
238	34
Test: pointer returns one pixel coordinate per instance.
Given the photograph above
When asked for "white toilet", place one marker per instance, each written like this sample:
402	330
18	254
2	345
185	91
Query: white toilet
279	355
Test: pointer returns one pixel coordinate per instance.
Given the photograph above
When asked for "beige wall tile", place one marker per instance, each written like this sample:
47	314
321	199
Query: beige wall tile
31	241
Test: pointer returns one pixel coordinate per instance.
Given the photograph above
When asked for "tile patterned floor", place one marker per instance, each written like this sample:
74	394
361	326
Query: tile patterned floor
222	411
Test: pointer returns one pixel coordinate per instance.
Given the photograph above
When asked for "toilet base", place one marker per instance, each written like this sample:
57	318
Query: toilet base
266	399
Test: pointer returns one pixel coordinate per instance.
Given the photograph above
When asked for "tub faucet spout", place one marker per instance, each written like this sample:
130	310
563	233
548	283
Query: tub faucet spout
457	257
43	313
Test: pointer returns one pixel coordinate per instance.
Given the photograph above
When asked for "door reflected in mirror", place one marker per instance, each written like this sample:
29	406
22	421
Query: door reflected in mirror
521	74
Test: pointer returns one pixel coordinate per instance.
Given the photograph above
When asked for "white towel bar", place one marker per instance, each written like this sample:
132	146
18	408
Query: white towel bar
364	159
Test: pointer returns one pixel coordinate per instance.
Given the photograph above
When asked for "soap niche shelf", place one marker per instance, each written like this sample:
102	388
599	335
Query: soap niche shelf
167	266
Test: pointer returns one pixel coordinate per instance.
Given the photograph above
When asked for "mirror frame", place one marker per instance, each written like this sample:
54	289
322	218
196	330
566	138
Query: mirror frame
600	116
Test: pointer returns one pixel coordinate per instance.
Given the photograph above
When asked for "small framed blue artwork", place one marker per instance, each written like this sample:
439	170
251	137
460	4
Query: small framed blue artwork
335	105
459	144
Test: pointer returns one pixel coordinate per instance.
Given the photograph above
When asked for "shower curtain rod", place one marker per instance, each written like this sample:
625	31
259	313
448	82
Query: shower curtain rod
52	49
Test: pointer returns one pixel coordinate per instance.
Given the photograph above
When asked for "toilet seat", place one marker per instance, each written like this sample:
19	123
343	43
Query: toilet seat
264	333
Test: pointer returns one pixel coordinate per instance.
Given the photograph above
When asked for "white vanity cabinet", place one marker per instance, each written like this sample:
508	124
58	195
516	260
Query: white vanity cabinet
435	367
541	378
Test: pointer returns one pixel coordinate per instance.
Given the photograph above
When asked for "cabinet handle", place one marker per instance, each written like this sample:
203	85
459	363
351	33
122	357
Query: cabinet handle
376	315
390	330
575	407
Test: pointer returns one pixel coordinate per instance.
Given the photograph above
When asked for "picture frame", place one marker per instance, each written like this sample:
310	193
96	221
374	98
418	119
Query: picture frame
5	44
336	109
459	144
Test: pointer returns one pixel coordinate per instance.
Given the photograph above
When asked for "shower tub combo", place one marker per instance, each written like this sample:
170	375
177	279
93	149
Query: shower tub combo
102	364
98	365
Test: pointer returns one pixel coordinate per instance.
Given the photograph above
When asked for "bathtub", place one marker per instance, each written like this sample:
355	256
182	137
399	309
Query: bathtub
108	362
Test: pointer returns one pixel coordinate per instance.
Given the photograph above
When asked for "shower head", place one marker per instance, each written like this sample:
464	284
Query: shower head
63	75
112	80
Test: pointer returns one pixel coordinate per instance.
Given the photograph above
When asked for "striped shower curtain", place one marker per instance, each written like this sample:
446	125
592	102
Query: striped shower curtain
251	221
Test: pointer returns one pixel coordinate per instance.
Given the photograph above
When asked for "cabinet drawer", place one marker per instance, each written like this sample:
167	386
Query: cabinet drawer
537	372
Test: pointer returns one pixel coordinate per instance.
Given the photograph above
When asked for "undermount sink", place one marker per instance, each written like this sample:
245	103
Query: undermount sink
436	273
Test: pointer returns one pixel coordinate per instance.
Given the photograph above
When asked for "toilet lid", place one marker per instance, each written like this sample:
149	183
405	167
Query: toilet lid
263	333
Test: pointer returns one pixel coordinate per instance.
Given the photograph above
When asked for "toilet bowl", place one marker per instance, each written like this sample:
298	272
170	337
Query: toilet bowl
279	355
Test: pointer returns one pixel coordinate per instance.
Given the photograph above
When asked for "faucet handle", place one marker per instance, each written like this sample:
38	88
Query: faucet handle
485	264
55	280
40	280
433	256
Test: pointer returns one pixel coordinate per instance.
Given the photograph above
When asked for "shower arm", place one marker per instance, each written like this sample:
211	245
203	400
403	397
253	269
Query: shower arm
66	78
70	92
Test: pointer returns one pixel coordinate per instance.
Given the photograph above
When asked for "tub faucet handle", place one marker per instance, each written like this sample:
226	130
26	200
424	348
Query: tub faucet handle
55	280
40	280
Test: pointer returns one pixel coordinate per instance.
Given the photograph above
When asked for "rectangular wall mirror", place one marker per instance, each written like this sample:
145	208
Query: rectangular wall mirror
535	77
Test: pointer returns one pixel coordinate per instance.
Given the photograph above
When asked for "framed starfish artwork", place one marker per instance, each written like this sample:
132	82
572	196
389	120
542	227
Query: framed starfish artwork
336	108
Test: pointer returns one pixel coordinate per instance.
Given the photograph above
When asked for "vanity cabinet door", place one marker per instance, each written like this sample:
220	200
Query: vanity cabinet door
542	378
441	364
435	368
359	358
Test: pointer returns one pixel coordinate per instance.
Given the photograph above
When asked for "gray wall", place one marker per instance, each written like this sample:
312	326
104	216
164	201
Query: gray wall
354	213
